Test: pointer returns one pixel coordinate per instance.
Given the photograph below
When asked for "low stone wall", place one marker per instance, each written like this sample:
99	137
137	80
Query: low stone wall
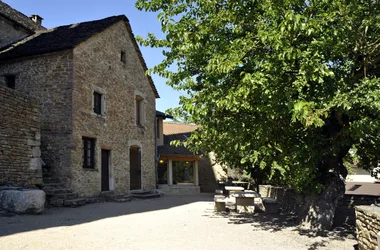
179	189
20	163
345	211
367	226
288	200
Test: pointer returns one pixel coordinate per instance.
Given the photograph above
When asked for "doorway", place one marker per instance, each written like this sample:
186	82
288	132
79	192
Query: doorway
135	167
105	173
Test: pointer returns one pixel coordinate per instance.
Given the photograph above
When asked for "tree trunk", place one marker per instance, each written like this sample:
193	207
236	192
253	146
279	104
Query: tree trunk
318	210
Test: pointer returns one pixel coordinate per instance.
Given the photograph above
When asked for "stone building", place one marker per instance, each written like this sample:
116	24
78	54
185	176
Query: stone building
15	26
20	153
180	170
97	103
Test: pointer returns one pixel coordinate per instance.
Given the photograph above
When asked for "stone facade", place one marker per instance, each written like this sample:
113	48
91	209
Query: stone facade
20	163
367	227
98	67
64	82
48	78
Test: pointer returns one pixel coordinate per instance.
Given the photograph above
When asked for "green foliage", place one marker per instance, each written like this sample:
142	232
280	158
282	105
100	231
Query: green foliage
277	85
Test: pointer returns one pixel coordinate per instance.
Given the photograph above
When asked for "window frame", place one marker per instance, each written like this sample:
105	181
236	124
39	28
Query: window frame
97	106
123	57
89	144
139	106
10	81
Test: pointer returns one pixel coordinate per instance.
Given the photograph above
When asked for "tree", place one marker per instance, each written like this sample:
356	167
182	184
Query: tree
287	86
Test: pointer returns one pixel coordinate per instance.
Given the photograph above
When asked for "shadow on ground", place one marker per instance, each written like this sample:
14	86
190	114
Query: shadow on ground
57	217
279	222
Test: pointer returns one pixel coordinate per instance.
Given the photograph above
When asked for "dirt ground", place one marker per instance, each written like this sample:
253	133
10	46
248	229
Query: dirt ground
170	222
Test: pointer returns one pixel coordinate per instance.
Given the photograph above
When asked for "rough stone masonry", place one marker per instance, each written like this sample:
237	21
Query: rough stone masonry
20	163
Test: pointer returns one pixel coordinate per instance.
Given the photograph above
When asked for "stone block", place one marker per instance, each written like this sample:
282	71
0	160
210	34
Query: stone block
35	164
26	201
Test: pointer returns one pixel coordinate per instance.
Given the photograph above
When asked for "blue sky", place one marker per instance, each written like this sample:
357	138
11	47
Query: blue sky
56	13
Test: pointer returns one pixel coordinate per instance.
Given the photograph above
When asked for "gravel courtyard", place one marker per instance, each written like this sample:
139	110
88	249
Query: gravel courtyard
170	222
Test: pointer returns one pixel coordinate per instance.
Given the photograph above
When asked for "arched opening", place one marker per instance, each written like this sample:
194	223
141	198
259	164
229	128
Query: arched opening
135	167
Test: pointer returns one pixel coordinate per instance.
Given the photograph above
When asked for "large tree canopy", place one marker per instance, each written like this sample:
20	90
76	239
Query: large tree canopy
287	86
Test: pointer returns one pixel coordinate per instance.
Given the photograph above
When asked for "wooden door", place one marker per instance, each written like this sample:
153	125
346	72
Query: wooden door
135	168
105	170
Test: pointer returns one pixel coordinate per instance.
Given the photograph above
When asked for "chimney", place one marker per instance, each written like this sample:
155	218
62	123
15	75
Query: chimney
37	19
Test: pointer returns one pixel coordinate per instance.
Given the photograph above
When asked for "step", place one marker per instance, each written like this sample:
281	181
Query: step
146	195
54	191
54	185
123	199
140	192
47	180
56	202
75	202
95	199
106	193
65	196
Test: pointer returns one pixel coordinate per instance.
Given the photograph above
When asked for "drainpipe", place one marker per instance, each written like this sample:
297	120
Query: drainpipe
156	152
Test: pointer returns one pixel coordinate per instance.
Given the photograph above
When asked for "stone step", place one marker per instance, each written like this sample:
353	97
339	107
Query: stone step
47	180
140	192
75	202
54	191
126	198
149	195
54	185
95	199
56	202
65	196
106	193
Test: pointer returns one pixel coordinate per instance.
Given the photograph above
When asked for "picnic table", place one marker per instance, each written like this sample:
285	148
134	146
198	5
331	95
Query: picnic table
233	189
247	201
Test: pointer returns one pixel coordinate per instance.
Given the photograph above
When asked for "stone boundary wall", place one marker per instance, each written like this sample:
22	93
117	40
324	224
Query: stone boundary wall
345	212
367	226
20	163
290	201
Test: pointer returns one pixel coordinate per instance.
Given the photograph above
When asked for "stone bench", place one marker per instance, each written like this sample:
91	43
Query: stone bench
246	202
271	205
219	203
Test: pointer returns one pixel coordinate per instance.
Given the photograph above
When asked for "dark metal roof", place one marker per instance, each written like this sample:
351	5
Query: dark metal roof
67	37
163	115
167	149
17	17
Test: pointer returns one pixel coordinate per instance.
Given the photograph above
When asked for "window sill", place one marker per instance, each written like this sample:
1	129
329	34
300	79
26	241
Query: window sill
99	115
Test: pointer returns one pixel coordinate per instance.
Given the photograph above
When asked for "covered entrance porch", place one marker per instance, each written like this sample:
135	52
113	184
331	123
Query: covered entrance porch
178	174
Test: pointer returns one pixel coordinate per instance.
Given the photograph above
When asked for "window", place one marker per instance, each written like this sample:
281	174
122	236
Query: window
123	57
10	81
183	172
139	111
88	152
98	98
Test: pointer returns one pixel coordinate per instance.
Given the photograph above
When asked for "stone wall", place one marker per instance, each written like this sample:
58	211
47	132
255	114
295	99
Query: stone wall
345	212
97	67
20	163
367	226
288	199
48	78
